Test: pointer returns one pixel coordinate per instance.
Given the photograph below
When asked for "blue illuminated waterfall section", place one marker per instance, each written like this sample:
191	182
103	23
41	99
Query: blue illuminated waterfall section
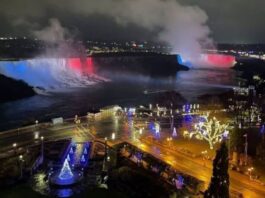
48	73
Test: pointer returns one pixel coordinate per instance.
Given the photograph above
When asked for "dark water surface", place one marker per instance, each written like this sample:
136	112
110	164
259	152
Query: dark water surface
127	91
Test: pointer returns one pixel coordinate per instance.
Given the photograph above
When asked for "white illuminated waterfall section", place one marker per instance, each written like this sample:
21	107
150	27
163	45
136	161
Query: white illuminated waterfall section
47	73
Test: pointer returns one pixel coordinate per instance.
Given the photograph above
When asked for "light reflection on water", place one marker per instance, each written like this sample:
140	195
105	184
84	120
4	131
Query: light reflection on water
125	91
40	183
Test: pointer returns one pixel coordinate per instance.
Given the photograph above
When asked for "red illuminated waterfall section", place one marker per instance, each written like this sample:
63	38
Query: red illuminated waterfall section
219	60
84	66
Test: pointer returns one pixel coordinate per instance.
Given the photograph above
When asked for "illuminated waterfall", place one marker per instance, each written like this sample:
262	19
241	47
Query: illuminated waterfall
50	73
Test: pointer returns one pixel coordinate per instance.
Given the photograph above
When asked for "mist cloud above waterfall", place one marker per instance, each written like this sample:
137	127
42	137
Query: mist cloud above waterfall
54	33
230	20
58	39
184	27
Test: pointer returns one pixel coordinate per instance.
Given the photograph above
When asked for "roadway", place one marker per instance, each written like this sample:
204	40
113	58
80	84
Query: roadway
124	130
201	169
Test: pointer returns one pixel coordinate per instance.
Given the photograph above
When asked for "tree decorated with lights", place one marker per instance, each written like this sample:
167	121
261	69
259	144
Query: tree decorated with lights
210	130
219	185
66	172
174	134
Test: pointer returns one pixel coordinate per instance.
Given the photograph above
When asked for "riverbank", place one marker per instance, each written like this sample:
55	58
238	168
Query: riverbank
14	89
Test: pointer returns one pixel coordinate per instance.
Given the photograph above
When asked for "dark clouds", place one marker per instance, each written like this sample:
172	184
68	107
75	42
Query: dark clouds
240	21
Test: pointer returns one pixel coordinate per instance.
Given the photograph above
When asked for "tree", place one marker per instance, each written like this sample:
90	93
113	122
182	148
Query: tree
66	172
211	131
219	185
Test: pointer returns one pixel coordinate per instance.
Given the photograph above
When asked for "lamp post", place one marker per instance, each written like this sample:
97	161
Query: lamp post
108	158
171	122
229	146
246	149
204	153
226	136
150	106
140	131
15	147
113	136
20	158
36	123
106	143
169	139
36	136
42	147
250	170
104	167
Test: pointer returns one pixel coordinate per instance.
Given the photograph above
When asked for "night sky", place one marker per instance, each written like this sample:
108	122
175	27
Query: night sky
229	21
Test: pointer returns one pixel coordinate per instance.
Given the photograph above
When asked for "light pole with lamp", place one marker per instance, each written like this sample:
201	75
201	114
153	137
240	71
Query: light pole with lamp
246	149
42	148
171	118
226	136
169	139
15	147
204	156
113	136
36	123
21	160
104	167
250	170
141	131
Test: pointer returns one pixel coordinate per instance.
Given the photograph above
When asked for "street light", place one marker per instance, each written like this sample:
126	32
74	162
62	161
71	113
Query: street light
250	170
169	139
42	147
106	153
141	131
20	158
171	120
113	136
15	147
246	149
150	106
36	123
229	143
204	156
36	135
105	142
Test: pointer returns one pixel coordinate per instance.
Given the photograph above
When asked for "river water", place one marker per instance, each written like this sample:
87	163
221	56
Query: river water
124	91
